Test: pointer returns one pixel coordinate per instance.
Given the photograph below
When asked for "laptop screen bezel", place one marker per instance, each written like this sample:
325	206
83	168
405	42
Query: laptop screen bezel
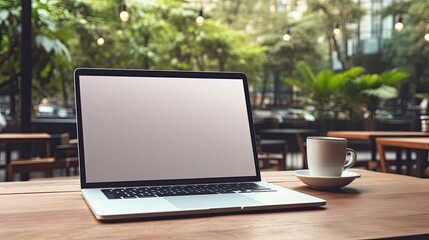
169	74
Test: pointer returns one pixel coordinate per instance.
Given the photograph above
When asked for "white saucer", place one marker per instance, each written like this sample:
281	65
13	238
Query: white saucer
321	182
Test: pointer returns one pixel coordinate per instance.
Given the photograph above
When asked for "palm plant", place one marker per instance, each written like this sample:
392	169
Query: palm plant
374	88
322	89
347	91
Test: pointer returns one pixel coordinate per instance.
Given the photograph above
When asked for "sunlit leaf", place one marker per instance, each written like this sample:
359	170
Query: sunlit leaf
383	92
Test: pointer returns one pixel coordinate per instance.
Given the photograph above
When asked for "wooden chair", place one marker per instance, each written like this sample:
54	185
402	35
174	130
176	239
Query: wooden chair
65	158
301	146
266	158
43	165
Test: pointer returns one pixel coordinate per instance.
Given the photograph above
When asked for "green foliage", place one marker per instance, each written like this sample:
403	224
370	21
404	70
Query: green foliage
266	21
383	92
159	35
347	90
323	88
48	40
373	88
408	49
342	12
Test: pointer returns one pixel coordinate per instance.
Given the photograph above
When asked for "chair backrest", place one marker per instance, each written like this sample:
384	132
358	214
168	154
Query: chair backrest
65	151
301	146
60	147
58	139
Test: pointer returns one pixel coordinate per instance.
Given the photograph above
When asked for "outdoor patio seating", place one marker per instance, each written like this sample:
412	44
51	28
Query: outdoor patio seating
65	157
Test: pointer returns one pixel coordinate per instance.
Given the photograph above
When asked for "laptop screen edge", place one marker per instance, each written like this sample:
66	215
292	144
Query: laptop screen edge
150	73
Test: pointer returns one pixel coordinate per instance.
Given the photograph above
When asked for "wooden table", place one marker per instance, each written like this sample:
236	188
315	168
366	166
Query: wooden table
373	135
377	205
9	138
420	144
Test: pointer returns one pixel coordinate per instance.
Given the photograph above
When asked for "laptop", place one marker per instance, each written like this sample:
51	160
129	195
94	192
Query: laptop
170	143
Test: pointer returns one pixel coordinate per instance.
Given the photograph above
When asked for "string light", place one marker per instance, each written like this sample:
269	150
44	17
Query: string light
337	30
100	40
200	19
399	25
123	14
286	36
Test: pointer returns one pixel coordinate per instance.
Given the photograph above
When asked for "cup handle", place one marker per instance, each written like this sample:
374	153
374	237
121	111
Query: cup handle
352	160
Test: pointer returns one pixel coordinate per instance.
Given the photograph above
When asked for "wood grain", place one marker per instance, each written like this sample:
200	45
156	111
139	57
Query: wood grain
376	205
367	135
19	137
418	143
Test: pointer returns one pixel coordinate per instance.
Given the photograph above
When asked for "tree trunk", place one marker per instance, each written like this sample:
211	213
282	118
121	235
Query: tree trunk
339	54
201	63
344	19
276	88
146	58
63	88
12	94
264	86
221	64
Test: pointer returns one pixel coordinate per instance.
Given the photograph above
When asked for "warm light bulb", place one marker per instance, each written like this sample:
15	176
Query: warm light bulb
427	37
399	26
337	31
124	16
199	20
286	37
100	41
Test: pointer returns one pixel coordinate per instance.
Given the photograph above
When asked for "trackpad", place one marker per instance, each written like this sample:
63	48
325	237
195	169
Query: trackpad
212	201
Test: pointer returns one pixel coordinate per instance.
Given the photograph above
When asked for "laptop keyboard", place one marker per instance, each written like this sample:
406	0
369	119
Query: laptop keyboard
182	190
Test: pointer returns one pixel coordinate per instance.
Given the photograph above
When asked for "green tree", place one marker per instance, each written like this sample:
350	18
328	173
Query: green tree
408	49
232	50
48	41
159	35
341	12
283	55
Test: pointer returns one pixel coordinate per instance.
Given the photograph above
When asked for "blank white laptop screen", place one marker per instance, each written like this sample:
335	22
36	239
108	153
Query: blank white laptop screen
151	128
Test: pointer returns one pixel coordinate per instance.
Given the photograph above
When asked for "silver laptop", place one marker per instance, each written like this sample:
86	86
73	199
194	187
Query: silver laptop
169	143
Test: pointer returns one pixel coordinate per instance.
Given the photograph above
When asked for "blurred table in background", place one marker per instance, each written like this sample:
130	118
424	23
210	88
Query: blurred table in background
421	145
7	139
372	136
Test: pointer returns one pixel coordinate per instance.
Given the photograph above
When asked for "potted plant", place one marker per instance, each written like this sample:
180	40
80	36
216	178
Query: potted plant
371	89
322	89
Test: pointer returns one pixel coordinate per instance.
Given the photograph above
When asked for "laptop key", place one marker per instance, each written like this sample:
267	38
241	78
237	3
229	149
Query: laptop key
182	190
128	196
113	196
145	195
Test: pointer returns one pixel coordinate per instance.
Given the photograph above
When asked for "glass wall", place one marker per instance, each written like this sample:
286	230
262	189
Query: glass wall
276	43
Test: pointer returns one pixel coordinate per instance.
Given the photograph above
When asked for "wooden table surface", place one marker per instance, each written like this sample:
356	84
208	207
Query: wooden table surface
419	143
19	137
377	205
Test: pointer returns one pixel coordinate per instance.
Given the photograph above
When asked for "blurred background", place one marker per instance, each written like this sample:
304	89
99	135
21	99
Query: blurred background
352	64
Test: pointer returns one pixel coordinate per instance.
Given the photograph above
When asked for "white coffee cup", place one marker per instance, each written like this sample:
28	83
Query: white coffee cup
326	156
